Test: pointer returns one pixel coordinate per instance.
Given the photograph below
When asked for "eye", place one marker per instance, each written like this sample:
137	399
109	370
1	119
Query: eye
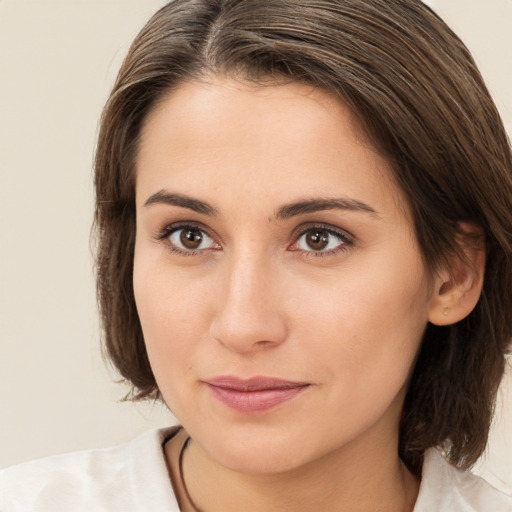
188	239
321	240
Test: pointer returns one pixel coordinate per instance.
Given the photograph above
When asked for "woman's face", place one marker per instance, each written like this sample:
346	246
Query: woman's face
278	281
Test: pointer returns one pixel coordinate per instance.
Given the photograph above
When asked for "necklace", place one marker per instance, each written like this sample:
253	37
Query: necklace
184	485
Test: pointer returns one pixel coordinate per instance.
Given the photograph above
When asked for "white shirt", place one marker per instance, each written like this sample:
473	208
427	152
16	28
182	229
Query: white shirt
133	477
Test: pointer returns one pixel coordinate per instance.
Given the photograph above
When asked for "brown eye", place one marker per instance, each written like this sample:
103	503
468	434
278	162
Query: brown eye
317	240
321	240
191	238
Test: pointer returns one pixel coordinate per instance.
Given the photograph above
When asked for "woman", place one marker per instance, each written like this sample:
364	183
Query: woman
304	227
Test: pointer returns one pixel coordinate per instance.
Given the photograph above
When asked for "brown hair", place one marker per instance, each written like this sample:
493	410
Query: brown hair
419	96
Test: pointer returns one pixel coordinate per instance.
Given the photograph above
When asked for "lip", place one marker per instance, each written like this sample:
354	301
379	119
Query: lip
254	395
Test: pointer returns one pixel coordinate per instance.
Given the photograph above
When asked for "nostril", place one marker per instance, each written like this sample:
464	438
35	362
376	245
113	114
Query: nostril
263	343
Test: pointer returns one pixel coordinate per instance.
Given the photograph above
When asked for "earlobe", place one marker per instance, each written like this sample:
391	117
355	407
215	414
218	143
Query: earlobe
457	288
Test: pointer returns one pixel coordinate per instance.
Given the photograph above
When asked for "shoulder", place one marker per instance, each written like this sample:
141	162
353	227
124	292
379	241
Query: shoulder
444	488
129	477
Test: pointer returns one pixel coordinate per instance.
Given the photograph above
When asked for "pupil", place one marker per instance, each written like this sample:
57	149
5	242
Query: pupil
191	238
317	240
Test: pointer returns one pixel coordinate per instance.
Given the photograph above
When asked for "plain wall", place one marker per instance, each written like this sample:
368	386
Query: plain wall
58	60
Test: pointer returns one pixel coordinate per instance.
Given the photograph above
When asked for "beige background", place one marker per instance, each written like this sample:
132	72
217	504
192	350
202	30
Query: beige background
58	59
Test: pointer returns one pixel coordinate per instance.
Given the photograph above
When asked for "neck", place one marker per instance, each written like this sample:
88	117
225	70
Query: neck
348	480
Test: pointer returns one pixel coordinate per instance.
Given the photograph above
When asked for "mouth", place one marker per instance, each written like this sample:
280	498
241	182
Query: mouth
254	395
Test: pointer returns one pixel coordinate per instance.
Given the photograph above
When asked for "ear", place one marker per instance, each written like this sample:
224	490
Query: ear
457	288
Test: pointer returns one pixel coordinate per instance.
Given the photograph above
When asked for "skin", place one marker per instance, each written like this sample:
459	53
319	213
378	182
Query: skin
256	300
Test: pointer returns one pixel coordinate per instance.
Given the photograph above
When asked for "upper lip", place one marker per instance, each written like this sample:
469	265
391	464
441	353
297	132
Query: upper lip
258	383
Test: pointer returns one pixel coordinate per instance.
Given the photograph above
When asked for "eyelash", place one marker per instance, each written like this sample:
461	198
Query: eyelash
164	235
346	240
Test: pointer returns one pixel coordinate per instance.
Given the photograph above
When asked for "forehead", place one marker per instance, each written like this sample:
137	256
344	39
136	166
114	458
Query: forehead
235	106
264	141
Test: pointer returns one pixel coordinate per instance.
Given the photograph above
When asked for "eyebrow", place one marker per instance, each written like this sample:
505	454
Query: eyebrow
182	201
317	205
284	212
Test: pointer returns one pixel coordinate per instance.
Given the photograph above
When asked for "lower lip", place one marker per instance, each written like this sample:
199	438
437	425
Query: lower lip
256	401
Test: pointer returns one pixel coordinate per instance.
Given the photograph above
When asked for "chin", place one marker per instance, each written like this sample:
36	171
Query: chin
258	461
260	451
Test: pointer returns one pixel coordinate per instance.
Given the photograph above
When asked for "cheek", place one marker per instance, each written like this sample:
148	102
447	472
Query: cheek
173	313
365	327
172	327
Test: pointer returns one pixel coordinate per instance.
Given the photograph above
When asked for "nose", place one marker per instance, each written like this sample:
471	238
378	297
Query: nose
249	315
